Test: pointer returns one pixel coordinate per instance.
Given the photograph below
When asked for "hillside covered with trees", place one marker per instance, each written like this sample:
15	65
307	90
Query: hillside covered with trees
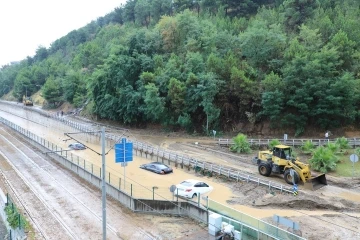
206	64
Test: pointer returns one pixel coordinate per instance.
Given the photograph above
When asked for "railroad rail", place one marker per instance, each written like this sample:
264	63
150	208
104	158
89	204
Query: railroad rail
354	142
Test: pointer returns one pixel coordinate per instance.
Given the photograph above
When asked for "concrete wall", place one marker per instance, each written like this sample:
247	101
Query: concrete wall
171	207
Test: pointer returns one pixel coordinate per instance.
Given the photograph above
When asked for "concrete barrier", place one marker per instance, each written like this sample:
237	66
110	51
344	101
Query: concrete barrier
171	207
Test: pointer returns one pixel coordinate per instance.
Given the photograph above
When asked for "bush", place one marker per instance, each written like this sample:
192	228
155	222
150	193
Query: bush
307	147
357	151
241	144
15	219
334	147
343	143
273	143
323	160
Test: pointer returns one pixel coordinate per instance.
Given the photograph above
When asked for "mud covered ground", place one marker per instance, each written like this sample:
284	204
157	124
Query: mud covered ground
332	212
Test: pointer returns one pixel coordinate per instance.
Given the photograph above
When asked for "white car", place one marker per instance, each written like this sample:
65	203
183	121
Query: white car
192	188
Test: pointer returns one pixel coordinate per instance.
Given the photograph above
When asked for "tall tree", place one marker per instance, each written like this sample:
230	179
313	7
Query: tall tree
52	91
129	11
142	12
297	12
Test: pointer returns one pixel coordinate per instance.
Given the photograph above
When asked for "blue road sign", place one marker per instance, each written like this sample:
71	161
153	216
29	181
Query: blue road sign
123	151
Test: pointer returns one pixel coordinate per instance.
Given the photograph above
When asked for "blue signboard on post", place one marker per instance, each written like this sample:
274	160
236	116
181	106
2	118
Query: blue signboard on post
123	151
124	154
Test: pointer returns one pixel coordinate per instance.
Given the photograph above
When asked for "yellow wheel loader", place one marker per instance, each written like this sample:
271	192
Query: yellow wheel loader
279	161
27	101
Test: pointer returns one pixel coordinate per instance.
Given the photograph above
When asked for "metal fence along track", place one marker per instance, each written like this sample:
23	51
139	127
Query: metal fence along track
290	142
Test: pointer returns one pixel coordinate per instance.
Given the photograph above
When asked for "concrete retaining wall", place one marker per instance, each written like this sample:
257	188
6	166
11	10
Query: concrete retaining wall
171	207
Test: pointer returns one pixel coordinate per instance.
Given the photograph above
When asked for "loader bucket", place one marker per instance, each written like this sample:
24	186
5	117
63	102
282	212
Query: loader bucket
315	183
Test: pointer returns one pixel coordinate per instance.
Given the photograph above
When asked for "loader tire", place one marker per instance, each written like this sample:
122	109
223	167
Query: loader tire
264	169
288	178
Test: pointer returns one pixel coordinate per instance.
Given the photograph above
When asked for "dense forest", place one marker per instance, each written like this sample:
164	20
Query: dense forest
206	64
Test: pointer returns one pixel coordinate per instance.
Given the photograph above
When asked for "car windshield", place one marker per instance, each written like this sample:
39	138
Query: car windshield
187	184
161	166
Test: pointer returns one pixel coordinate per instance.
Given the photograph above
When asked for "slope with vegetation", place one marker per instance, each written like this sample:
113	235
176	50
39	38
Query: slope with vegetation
206	64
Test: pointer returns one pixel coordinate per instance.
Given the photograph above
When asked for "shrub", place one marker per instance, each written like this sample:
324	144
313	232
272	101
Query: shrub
241	144
307	147
15	219
323	160
343	143
334	147
273	143
357	151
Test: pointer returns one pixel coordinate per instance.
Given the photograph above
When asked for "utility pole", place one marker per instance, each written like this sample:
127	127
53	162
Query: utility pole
103	182
102	173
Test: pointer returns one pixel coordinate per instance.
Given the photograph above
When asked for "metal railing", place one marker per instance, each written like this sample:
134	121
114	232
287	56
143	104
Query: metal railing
185	161
290	142
250	227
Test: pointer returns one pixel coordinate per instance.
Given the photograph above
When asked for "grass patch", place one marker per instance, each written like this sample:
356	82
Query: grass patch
345	167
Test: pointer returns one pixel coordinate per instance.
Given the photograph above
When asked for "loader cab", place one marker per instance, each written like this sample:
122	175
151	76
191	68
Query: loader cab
281	151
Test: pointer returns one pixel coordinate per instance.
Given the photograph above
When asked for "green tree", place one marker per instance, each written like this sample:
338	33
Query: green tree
41	54
52	91
176	93
160	8
155	105
129	11
263	46
142	12
297	11
74	85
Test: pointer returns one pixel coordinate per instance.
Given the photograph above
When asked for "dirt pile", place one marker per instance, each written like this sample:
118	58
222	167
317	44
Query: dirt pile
254	195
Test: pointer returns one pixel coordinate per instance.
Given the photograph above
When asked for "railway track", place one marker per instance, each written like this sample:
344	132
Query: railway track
33	174
42	216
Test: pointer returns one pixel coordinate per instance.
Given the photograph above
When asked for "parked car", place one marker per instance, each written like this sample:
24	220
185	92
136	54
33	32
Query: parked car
192	188
157	167
77	146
